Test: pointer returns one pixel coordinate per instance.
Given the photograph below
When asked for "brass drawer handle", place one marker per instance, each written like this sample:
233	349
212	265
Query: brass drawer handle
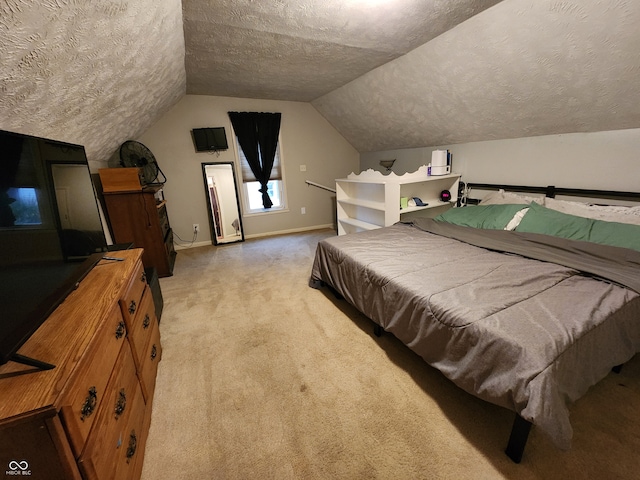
121	403
89	404
146	322
133	443
143	277
132	307
120	330
154	352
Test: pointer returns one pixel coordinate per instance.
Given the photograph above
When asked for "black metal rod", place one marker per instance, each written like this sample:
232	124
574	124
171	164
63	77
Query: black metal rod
553	190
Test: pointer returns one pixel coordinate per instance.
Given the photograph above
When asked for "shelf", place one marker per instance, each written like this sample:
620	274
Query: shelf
431	204
359	223
429	178
359	202
371	200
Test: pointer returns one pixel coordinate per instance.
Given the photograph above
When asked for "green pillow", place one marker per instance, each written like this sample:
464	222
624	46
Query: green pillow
551	222
616	234
493	217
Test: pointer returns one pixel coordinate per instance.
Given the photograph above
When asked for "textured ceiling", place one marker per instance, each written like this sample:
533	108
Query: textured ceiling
302	49
387	74
91	72
522	68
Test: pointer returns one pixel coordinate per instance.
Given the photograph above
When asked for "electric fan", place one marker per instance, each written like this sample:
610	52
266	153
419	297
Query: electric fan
135	154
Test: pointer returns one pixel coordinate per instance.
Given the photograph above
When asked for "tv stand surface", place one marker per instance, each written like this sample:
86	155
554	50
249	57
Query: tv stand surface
88	417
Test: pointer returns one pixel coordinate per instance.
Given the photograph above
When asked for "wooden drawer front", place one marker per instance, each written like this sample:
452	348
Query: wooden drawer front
84	393
150	364
110	433
128	463
141	328
130	302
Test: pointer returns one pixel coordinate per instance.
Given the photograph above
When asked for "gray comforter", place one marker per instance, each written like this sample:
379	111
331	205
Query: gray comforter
526	334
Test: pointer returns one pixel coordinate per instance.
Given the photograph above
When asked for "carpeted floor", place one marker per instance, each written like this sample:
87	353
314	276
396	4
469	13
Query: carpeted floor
263	377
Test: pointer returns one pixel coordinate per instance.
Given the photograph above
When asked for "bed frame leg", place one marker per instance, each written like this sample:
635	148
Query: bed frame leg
518	438
377	330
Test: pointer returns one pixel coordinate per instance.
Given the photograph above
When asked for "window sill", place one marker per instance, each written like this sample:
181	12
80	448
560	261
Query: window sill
266	211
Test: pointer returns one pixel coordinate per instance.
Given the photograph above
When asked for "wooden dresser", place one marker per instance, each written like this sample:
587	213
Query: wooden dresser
88	417
138	217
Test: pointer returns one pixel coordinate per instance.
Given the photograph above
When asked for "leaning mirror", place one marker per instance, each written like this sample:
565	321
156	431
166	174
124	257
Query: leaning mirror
222	199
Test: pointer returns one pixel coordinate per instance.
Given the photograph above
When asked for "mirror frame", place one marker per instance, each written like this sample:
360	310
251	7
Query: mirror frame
212	223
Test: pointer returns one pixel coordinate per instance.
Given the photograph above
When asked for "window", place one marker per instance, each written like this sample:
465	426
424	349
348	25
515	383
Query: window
254	196
258	140
251	188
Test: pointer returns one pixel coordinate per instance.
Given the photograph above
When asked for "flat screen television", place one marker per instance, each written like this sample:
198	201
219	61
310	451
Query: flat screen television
51	233
210	139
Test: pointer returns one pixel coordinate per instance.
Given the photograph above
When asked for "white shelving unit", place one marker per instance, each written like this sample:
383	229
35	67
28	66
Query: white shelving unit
370	200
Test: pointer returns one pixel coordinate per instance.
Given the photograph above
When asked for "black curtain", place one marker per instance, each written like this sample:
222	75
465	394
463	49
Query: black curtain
258	137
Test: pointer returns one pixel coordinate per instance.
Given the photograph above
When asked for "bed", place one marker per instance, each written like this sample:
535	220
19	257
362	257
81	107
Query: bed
523	301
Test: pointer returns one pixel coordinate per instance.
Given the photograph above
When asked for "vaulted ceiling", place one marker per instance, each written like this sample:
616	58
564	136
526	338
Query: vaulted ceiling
386	73
302	49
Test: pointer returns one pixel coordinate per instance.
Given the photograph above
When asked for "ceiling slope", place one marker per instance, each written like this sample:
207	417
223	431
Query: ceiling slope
522	68
302	49
95	73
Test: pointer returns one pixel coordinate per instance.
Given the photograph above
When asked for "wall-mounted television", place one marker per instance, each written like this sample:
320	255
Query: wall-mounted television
51	233
210	139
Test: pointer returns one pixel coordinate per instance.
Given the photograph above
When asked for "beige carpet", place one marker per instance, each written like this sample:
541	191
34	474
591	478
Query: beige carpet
263	377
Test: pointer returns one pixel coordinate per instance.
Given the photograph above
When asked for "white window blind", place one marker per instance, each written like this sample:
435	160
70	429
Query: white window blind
247	174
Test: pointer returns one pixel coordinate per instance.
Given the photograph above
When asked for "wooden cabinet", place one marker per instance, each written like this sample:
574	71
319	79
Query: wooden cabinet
372	200
140	217
88	417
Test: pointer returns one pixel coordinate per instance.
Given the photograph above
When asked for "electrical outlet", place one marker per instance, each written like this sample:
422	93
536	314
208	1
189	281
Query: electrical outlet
196	228
303	210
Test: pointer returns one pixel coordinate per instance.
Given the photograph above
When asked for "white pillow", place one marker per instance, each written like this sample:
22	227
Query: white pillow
517	218
613	213
501	197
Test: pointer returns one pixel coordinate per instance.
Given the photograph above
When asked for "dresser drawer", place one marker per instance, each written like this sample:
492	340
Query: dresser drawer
130	301
109	440
150	361
141	327
84	393
130	454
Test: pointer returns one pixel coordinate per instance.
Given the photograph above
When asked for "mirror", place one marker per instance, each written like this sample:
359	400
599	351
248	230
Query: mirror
224	206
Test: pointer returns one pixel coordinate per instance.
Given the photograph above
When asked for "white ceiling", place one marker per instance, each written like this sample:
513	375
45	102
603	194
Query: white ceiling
302	49
522	68
387	74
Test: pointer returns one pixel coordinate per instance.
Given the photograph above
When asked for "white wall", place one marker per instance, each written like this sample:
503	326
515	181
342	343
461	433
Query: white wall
306	139
601	160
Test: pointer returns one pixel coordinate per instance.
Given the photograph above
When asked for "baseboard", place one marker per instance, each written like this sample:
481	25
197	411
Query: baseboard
260	235
177	246
293	230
